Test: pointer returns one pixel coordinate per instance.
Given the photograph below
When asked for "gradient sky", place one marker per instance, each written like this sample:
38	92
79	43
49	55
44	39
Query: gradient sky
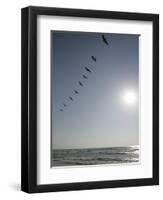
97	117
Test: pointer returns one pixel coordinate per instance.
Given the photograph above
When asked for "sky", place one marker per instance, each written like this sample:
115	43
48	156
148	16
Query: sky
98	117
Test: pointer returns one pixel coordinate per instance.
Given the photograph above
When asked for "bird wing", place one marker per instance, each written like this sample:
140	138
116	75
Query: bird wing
84	76
80	83
93	58
87	69
106	42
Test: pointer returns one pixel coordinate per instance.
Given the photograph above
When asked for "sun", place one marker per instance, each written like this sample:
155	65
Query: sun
130	97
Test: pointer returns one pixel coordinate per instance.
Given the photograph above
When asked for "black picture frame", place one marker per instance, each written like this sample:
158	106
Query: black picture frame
29	99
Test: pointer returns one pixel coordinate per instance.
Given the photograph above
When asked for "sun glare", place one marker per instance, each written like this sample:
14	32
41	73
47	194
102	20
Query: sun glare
130	97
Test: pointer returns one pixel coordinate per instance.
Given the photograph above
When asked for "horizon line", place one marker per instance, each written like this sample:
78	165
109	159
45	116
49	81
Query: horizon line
94	147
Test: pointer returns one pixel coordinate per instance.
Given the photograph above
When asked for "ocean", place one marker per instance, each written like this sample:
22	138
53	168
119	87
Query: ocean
94	156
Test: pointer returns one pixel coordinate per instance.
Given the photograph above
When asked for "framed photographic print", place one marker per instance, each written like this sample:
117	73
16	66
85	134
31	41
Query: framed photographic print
90	99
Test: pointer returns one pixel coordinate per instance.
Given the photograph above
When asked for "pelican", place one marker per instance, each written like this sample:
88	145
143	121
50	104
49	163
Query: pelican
85	77
88	70
76	92
105	40
81	84
93	58
71	98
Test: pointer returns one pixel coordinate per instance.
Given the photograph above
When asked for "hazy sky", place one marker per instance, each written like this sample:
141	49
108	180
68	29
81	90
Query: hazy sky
98	116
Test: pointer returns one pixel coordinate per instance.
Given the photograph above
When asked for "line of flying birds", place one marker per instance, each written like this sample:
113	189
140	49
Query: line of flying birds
94	59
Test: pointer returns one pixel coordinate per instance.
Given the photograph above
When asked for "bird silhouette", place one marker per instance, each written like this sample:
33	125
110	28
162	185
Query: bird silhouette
105	40
76	92
85	77
93	58
88	70
71	98
81	84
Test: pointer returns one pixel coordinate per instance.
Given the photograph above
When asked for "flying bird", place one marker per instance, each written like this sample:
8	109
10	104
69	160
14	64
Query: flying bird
105	40
64	105
76	92
84	76
61	110
93	58
71	98
88	70
81	84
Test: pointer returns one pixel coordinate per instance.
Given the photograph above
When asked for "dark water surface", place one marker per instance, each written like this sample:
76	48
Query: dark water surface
95	156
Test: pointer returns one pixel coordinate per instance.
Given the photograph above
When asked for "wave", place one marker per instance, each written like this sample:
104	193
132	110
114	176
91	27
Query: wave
112	155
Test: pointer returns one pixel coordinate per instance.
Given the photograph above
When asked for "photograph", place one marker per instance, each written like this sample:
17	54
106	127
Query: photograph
89	99
94	99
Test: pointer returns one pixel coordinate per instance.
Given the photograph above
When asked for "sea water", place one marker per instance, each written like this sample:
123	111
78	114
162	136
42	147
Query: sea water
94	156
